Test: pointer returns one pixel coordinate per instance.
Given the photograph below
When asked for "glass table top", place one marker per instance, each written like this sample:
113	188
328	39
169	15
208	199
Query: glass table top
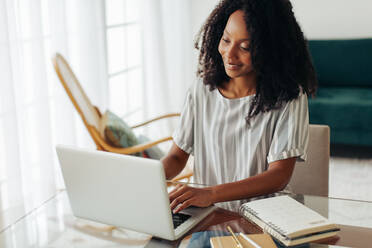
53	225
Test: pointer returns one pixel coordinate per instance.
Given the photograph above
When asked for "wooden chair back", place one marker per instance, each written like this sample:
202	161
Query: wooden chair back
87	111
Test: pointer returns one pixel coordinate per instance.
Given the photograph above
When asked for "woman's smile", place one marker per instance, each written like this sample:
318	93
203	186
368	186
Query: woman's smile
232	67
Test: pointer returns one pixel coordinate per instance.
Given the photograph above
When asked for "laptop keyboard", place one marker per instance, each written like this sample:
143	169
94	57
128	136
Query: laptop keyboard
179	218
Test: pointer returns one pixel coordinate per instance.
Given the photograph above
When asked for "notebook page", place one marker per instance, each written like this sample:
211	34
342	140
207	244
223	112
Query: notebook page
286	215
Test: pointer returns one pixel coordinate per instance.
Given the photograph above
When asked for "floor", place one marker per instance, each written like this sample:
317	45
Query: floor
351	172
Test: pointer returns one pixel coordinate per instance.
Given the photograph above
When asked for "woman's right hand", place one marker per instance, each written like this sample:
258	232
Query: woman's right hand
184	196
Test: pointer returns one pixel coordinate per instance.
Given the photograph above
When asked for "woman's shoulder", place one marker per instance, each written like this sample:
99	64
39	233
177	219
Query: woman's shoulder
296	104
302	96
198	89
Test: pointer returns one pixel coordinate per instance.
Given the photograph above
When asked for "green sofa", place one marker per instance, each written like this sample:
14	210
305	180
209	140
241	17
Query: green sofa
344	97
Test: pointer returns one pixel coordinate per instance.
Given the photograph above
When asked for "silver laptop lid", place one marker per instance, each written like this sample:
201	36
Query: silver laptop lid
119	190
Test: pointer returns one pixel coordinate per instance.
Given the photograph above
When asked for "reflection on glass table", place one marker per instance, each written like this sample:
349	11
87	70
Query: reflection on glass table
53	225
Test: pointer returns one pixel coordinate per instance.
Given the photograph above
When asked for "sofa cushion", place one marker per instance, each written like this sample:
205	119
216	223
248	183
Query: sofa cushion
342	108
343	62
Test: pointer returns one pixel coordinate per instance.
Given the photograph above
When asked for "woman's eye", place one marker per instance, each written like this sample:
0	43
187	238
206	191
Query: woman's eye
225	40
245	48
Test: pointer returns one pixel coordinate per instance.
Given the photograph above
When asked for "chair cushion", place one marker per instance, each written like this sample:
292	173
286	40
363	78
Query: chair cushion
153	152
116	132
343	108
342	62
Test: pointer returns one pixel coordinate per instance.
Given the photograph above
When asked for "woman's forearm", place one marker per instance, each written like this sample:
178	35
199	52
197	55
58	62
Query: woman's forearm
274	179
270	181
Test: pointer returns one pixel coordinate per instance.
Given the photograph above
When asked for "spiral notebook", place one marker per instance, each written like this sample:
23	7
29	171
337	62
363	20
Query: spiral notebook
287	220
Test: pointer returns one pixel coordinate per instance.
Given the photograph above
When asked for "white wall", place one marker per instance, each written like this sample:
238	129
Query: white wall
319	19
325	19
200	9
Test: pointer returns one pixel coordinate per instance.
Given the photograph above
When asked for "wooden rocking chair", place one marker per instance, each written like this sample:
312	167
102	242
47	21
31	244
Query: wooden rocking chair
91	116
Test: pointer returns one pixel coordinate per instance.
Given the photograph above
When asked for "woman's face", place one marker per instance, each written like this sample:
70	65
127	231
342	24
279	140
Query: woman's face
234	47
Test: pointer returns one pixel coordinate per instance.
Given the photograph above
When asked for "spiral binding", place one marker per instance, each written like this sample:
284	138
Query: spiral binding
269	227
276	228
243	209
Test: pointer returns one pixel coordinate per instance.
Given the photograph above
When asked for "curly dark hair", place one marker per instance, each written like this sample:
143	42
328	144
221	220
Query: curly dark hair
279	52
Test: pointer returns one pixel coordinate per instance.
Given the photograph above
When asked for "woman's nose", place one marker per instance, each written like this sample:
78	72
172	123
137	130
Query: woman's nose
231	52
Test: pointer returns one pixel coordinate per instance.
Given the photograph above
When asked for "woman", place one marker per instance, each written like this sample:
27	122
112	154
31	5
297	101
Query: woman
246	120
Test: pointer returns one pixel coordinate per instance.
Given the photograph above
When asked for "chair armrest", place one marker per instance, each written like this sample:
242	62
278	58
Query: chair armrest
128	150
155	119
181	176
139	148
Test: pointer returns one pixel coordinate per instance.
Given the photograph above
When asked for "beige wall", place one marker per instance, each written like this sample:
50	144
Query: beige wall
319	19
322	19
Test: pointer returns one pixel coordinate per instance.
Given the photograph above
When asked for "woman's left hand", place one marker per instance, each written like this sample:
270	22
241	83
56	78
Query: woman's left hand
183	196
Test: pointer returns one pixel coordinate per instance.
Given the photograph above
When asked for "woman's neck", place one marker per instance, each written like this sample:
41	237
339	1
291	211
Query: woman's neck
239	87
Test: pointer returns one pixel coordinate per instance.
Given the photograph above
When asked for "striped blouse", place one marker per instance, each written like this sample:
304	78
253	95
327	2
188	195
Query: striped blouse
226	149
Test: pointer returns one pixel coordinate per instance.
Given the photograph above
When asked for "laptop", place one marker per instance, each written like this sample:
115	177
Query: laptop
123	191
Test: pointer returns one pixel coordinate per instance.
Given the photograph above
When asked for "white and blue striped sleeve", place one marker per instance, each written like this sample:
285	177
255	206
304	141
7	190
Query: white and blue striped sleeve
183	136
291	133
